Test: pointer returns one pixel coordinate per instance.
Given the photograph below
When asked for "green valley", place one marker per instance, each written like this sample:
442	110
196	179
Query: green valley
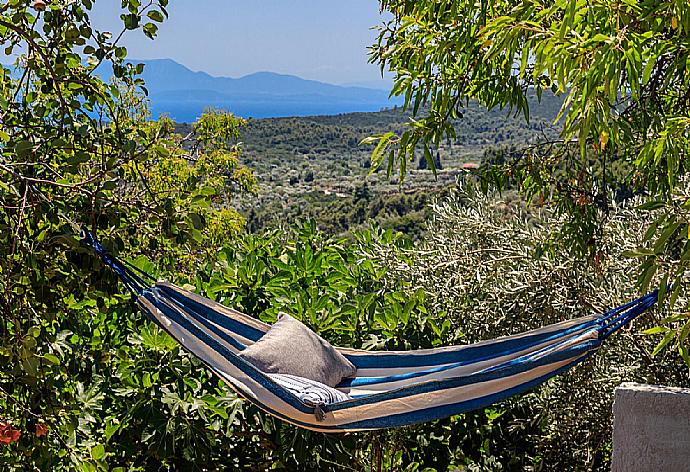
315	167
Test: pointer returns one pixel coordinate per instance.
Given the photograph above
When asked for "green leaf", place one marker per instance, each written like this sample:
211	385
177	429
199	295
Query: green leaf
23	148
131	21
647	275
155	15
665	235
161	150
652	205
98	452
647	72
663	288
380	150
684	332
656	330
683	351
120	52
110	429
670	336
150	30
641	252
51	358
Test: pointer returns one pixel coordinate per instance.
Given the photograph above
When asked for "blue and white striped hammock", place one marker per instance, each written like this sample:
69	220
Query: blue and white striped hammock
391	388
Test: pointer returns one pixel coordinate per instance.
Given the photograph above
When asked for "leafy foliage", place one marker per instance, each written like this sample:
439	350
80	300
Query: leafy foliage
341	214
492	267
115	391
77	151
87	384
622	70
314	166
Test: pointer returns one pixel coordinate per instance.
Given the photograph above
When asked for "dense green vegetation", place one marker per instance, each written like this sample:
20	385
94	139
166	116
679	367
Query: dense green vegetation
490	266
622	69
87	383
405	212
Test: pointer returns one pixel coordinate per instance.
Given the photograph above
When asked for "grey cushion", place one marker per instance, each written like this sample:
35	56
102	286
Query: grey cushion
291	348
309	391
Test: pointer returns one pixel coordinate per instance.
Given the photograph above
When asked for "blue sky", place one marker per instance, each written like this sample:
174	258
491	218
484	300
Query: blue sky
323	40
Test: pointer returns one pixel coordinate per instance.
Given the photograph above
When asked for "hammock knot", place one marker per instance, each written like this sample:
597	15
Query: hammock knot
318	409
319	413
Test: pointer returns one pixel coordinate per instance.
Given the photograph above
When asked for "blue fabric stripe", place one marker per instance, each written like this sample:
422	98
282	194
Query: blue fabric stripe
503	370
541	353
468	354
619	309
487	351
242	365
444	411
433	413
235	326
132	281
363	381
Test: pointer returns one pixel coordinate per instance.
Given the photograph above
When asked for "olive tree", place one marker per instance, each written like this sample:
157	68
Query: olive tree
487	270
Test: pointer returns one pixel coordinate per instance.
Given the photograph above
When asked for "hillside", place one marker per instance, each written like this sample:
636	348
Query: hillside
314	166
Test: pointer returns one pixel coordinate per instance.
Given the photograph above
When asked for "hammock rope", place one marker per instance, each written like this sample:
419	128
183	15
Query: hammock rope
391	388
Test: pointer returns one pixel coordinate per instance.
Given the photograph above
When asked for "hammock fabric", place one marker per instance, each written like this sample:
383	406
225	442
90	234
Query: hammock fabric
391	388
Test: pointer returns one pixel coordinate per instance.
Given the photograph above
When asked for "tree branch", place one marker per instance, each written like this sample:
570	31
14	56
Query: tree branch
44	57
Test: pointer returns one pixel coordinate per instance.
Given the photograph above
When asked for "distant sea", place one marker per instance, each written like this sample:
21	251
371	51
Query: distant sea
189	111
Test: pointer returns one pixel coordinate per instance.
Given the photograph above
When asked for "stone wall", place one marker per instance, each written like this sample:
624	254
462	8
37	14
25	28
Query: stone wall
651	429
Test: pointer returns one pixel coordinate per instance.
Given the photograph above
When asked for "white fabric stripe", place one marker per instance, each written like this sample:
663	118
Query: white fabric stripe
447	396
462	369
166	322
446	374
455	395
251	388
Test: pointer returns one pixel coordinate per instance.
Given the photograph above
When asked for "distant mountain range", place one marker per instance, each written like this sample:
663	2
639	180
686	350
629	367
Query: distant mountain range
183	94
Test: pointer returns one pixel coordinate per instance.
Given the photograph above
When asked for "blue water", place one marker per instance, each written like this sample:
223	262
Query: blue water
188	111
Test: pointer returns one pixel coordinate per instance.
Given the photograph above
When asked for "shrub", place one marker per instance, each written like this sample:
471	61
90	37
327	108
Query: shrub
492	267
